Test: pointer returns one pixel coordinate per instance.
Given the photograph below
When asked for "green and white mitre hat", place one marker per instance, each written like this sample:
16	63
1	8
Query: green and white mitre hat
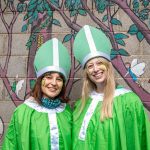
91	42
52	56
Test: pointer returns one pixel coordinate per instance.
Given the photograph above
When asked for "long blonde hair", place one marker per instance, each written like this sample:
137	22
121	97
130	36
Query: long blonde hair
109	89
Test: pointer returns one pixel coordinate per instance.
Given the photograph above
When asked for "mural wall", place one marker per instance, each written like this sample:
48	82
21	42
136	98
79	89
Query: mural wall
26	24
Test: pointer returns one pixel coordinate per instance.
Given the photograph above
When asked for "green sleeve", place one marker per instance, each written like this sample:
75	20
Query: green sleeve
10	141
143	125
133	122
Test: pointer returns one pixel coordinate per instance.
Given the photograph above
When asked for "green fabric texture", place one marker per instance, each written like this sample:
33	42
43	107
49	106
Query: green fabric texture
129	129
44	57
29	130
81	46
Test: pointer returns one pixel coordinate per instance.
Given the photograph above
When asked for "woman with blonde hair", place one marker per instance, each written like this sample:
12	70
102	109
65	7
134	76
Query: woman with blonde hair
106	117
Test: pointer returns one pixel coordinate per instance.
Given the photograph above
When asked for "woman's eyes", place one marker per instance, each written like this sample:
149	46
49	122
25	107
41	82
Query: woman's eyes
59	79
50	78
99	63
89	66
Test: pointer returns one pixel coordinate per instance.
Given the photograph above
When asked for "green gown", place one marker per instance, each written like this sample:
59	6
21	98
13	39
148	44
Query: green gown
34	127
129	129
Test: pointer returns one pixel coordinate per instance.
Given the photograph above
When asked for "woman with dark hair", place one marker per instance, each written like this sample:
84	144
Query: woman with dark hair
43	121
106	117
37	91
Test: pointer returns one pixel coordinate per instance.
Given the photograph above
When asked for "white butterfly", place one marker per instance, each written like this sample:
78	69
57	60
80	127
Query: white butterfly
135	69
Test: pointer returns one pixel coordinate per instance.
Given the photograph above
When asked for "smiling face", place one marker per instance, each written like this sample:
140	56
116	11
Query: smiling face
97	70
52	84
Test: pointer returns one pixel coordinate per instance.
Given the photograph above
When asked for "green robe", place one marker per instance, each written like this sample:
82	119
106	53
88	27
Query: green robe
129	129
34	127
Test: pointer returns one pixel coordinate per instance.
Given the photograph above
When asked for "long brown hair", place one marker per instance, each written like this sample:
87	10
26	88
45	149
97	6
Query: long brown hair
109	89
37	91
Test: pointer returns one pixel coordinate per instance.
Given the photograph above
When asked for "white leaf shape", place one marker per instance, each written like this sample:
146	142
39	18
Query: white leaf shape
19	86
1	127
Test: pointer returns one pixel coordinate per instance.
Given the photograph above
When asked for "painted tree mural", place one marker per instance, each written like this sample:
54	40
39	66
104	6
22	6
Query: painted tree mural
39	19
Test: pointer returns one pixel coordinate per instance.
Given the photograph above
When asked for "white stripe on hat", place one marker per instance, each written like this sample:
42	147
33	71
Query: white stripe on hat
93	51
90	39
55	52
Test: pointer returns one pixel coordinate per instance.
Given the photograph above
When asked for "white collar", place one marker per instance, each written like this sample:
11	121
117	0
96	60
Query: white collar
33	104
99	96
